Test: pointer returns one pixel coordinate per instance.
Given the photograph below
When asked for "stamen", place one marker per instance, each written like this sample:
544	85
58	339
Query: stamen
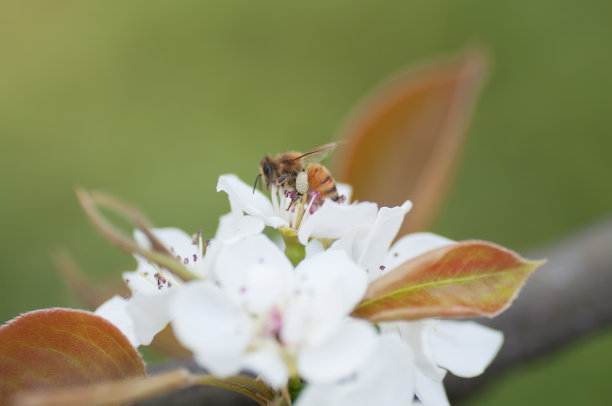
196	237
160	281
312	207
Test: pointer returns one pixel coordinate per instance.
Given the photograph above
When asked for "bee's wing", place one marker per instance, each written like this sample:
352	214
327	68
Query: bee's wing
317	154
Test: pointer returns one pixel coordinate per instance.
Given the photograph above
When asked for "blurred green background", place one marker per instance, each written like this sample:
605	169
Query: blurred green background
152	100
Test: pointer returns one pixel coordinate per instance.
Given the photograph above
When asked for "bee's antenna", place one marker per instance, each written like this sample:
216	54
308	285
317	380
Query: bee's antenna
256	180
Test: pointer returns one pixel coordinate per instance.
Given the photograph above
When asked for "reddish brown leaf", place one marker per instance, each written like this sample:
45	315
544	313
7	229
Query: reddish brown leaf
54	348
403	143
466	279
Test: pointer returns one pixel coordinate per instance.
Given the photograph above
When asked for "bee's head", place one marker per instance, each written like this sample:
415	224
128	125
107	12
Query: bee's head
266	171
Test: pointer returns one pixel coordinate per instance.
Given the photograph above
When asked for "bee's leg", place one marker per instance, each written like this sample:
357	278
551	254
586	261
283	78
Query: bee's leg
295	197
280	181
290	193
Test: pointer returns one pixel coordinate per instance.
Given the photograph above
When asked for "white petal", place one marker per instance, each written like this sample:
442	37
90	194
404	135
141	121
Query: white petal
314	247
340	354
386	377
178	243
150	313
352	242
320	394
413	245
333	219
207	322
336	281
115	311
265	287
430	391
381	235
142	280
465	348
254	272
234	226
243	198
328	286
416	335
269	363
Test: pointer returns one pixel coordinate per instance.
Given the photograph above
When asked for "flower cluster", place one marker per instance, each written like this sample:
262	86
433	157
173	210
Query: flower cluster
250	306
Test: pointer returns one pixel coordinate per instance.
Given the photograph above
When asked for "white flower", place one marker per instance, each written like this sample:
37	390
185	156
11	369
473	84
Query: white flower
146	313
464	348
272	319
330	221
369	243
149	277
142	316
384	377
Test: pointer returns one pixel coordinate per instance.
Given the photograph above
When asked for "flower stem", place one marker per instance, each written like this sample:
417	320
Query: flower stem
294	250
90	203
240	384
295	387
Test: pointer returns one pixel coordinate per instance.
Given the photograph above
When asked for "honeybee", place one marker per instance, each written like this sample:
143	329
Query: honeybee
300	173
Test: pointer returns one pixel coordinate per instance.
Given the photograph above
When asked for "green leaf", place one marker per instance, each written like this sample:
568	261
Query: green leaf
56	348
466	279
